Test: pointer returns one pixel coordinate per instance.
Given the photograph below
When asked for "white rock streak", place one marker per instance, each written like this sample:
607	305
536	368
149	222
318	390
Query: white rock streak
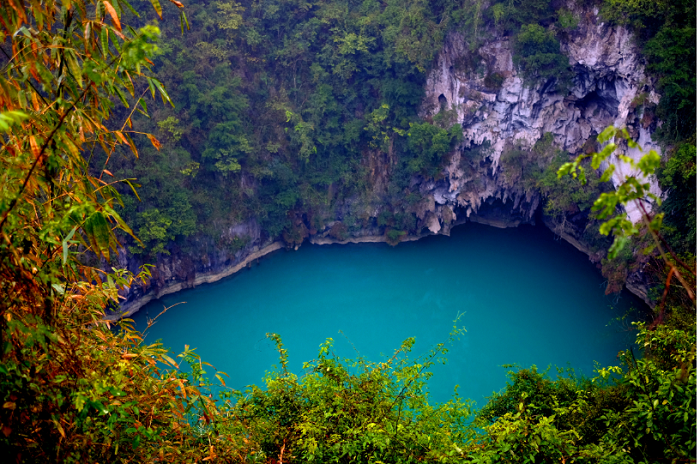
609	75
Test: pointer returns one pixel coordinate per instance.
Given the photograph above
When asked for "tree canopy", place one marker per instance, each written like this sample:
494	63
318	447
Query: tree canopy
75	388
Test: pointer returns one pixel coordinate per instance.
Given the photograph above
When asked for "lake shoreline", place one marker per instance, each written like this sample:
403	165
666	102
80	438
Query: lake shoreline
133	307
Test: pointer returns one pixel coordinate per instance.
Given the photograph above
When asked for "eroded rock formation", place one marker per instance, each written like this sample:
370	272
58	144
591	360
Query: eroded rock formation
497	110
608	77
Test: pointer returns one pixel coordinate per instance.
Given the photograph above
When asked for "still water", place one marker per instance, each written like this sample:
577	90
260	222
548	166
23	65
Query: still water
524	297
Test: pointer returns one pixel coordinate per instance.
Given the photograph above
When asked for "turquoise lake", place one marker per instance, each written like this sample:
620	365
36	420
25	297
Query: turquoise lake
525	298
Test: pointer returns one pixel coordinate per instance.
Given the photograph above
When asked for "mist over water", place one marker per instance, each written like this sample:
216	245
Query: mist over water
524	297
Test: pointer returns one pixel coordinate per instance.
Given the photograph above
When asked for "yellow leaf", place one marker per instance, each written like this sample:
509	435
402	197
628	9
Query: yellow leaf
35	101
170	360
35	146
113	13
158	8
60	429
154	141
121	136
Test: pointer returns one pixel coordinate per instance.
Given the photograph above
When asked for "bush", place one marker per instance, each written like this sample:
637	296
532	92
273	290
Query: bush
513	14
677	176
666	32
393	236
354	411
537	55
641	412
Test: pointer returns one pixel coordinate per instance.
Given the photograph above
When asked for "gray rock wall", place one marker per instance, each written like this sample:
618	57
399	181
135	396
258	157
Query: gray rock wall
608	75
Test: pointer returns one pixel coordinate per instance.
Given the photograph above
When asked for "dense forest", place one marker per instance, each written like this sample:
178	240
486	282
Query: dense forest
273	110
277	107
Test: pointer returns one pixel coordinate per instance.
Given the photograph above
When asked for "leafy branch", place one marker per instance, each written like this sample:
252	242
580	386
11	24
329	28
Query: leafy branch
634	189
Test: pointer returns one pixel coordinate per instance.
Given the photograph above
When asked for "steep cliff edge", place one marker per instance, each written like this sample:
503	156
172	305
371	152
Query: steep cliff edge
608	77
498	110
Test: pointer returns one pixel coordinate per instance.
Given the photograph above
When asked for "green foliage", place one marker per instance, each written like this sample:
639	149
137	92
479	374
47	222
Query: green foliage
427	145
279	104
630	190
634	190
677	177
512	15
563	196
537	55
72	389
355	410
617	417
666	30
567	20
660	390
536	169
98	395
393	236
170	125
156	230
567	195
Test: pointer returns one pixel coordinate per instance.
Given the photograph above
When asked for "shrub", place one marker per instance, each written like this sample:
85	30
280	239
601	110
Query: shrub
537	55
355	411
393	236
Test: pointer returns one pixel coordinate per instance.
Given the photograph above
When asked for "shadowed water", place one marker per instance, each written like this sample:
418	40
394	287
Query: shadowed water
525	299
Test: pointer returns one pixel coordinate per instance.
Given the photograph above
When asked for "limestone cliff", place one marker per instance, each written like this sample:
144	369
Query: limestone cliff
608	76
495	114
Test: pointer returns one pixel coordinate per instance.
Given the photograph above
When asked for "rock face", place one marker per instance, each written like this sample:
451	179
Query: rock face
497	110
608	77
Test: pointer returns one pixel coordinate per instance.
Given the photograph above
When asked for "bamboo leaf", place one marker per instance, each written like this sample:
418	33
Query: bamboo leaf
158	8
131	145
113	14
154	141
163	93
99	233
104	38
74	68
131	8
65	242
170	360
121	96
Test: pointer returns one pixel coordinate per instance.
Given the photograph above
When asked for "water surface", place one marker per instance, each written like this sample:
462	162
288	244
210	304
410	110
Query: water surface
525	299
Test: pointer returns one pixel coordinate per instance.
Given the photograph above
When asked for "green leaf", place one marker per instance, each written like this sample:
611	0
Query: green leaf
72	63
98	232
608	173
617	246
11	118
602	155
163	93
656	222
649	163
104	39
121	96
64	244
607	134
128	5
